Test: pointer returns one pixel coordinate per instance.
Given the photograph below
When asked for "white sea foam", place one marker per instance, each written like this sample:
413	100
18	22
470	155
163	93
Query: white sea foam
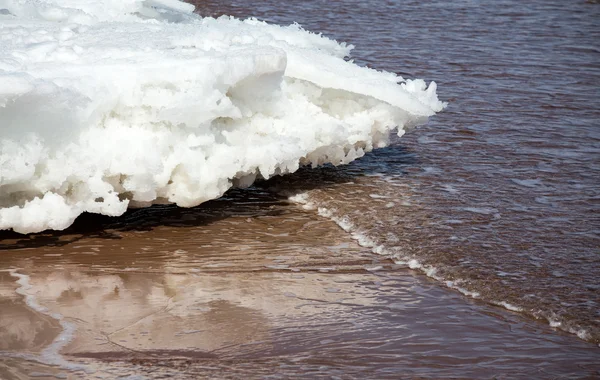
106	105
553	322
509	306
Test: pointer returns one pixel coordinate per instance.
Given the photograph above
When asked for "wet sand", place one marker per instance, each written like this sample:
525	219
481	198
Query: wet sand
249	285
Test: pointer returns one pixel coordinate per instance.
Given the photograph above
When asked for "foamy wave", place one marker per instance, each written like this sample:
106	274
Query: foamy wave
106	105
365	240
368	240
581	333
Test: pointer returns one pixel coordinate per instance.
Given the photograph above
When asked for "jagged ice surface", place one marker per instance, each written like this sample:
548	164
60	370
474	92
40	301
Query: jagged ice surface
106	105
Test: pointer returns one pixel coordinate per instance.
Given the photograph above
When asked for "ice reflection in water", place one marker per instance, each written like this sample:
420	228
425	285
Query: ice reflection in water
162	299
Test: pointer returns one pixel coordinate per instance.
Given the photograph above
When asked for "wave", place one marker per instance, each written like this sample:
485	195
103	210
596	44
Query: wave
363	229
106	105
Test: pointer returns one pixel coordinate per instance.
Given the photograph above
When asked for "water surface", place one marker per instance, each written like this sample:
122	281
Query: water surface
500	192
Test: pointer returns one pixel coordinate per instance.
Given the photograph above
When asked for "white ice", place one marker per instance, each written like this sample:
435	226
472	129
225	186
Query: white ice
111	104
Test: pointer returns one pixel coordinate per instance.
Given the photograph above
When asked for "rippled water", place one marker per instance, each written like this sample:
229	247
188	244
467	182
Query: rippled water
249	285
498	197
503	187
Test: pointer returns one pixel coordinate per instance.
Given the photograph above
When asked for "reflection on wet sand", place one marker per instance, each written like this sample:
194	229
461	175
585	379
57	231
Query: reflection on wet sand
247	285
23	329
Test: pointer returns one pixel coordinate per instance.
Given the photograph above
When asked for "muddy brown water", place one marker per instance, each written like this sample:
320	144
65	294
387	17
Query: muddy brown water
250	285
496	199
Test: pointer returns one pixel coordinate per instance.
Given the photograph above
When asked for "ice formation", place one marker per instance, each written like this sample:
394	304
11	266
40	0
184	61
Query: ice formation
111	104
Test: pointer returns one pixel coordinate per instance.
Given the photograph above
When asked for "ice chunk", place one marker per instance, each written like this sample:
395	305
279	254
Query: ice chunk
110	104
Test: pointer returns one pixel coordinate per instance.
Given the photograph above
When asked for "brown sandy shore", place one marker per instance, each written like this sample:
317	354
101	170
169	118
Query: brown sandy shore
248	286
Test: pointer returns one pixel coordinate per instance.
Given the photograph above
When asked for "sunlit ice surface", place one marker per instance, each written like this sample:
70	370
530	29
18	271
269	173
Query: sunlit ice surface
108	105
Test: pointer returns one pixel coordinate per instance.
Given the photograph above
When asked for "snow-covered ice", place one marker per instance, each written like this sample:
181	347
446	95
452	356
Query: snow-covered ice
111	104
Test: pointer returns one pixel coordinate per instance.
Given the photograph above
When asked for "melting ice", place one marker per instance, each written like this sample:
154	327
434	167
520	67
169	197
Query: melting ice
106	105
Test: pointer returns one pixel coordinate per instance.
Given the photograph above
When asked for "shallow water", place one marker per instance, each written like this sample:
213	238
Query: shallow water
497	197
500	192
249	285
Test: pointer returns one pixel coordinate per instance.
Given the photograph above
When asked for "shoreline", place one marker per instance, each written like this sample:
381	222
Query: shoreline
255	290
